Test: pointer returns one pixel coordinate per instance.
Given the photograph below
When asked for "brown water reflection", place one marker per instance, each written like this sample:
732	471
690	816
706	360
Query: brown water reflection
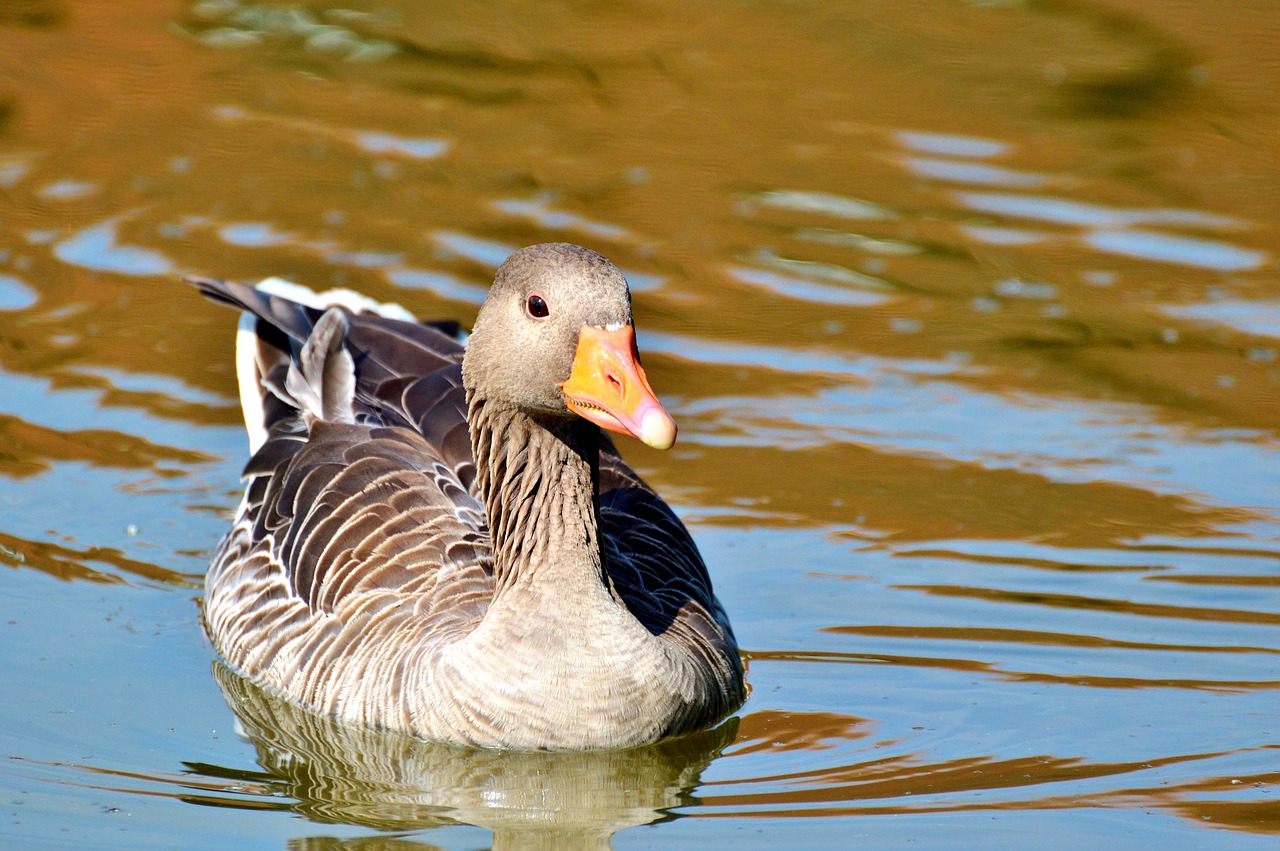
968	312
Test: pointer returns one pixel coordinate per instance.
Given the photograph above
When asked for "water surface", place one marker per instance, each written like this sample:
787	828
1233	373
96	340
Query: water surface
968	313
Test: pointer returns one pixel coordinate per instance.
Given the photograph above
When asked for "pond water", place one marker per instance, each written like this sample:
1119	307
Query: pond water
969	313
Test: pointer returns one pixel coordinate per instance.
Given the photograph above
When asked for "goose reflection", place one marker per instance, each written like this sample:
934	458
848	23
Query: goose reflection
391	781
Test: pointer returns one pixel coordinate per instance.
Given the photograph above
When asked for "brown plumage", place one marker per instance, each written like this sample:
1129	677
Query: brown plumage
439	544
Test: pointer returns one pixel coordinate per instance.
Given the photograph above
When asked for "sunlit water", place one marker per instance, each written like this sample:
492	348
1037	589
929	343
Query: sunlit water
968	313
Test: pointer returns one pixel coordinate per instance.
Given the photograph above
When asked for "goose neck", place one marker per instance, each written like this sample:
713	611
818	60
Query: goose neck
539	480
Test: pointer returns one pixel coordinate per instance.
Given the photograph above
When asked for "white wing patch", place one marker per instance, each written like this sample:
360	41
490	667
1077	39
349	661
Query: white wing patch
249	379
350	299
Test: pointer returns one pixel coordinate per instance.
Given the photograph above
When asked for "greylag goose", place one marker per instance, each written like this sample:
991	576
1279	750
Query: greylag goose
439	539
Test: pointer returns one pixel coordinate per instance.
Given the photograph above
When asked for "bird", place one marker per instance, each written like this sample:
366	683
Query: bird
438	535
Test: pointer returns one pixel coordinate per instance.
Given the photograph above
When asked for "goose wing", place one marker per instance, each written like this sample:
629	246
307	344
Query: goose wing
653	561
362	510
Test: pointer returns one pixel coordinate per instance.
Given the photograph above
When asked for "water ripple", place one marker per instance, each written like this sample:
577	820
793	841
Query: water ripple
1167	248
378	142
975	173
253	235
441	283
792	286
15	293
825	203
1252	317
540	211
1062	211
952	145
96	248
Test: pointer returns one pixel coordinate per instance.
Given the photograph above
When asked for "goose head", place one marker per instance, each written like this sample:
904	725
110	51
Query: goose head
555	338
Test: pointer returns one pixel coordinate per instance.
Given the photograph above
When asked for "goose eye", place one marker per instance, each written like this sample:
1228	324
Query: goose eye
537	306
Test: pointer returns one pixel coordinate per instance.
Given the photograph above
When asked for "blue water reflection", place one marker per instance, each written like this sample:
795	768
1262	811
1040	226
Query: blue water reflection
1168	248
1251	317
253	235
952	145
1064	211
15	293
97	248
794	286
540	211
975	173
389	143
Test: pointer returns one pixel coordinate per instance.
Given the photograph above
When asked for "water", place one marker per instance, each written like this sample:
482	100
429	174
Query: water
968	313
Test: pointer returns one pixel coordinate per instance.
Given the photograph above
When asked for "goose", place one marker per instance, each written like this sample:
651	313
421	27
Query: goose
438	538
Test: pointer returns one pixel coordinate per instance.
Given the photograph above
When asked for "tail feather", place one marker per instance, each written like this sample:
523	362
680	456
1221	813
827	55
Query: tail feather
322	377
335	356
294	318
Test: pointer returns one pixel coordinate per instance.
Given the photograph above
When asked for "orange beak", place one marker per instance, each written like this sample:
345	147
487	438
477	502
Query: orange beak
608	387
